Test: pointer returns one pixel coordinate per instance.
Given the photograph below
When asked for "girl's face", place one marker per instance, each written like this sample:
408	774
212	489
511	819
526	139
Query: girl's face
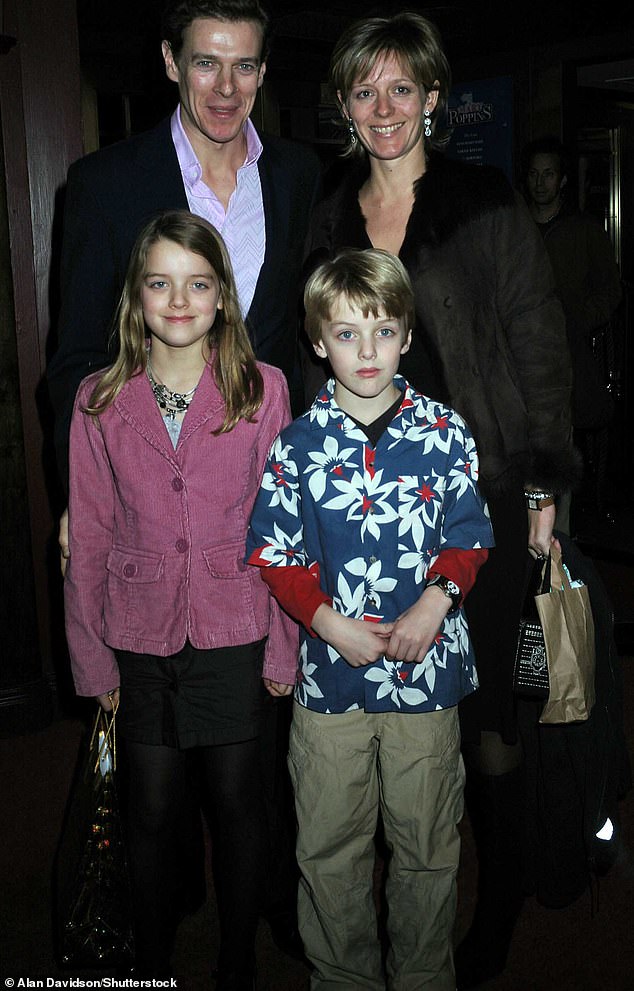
180	297
386	107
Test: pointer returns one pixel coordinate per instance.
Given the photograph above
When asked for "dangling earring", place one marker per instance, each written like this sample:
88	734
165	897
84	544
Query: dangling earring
353	133
427	119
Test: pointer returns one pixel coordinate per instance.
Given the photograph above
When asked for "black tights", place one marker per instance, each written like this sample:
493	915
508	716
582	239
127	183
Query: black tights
156	793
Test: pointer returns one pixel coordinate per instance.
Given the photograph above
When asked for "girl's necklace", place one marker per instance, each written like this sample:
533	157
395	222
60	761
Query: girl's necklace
172	402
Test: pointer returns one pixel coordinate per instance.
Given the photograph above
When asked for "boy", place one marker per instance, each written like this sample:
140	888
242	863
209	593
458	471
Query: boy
369	529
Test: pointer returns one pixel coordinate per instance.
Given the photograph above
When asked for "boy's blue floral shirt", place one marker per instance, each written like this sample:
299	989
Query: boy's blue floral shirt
369	522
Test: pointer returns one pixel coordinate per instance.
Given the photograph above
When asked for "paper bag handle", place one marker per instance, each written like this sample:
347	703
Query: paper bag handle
558	577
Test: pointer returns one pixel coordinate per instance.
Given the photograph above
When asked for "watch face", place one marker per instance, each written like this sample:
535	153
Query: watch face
450	588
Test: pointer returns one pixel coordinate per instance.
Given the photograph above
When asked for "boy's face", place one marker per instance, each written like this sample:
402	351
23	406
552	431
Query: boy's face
364	353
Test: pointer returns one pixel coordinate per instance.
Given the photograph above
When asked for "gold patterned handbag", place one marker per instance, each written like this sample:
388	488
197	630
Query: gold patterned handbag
94	918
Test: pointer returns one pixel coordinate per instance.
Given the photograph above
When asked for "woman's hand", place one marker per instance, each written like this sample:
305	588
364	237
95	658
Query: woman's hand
277	688
415	629
109	700
540	531
358	642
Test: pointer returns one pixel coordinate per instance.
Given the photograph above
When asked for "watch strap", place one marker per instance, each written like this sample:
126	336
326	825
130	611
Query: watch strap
539	503
449	587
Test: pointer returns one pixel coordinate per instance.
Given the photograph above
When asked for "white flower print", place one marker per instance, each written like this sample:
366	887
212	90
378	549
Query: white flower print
418	559
426	424
463	475
306	687
451	646
420	503
331	461
349	601
426	669
323	408
281	549
372	585
366	502
390	677
281	479
435	659
333	654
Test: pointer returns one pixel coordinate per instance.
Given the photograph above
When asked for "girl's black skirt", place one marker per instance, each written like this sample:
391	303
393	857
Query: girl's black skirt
195	698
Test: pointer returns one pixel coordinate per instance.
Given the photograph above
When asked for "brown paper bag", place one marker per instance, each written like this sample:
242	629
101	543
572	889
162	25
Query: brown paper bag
566	618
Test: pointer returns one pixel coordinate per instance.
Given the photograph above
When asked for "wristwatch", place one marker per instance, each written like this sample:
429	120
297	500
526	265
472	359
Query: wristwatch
539	500
451	590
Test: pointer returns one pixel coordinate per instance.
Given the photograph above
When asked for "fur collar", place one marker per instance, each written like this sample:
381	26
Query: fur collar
449	195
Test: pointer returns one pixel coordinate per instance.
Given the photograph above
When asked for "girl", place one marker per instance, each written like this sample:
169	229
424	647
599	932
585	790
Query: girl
167	449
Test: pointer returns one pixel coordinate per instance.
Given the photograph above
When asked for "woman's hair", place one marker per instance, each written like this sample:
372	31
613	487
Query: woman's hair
372	280
179	14
409	36
233	363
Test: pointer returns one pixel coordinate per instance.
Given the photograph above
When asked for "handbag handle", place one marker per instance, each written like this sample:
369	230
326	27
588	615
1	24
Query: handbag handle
109	738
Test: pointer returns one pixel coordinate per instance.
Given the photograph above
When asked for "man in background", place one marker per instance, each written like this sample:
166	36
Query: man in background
589	286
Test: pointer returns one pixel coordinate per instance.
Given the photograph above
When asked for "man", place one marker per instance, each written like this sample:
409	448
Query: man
588	284
586	274
258	191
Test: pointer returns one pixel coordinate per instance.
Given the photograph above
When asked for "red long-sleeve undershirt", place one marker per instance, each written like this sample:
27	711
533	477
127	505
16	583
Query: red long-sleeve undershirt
297	589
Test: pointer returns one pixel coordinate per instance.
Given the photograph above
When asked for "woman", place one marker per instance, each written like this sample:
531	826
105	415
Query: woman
488	340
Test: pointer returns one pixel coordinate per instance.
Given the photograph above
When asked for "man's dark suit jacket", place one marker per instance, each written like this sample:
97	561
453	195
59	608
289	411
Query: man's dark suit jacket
110	195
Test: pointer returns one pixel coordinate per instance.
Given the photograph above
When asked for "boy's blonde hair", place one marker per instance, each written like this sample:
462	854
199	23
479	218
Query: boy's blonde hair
372	280
233	363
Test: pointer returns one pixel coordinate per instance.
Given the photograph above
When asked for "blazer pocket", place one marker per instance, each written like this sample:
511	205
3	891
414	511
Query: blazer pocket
232	587
138	602
134	566
227	560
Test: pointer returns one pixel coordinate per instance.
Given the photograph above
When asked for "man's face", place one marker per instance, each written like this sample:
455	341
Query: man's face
218	74
544	179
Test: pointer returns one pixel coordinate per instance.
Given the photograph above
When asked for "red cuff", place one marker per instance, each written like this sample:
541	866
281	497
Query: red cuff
297	590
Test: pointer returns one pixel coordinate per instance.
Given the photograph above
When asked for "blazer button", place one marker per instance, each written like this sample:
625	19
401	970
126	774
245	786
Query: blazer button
129	570
181	546
177	484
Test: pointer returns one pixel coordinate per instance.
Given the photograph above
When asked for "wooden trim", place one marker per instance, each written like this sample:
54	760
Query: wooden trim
40	111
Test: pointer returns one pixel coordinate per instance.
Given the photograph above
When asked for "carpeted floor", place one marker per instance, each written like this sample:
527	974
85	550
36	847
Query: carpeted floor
588	946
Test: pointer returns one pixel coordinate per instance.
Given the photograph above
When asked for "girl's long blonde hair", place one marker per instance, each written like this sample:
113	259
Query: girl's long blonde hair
233	363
